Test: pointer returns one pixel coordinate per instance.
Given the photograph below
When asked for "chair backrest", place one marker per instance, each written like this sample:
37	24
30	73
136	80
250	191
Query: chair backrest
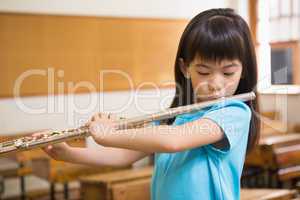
288	156
288	162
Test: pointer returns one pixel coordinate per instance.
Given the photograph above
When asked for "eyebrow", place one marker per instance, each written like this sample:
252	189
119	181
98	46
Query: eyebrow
225	66
202	65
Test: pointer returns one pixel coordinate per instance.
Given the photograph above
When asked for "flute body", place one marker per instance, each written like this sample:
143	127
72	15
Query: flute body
27	143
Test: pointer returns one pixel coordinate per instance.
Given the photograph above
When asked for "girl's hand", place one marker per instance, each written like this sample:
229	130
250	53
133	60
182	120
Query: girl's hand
100	125
59	151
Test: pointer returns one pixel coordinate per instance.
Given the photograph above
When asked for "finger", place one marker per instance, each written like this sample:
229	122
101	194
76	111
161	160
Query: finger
109	116
93	127
114	117
98	116
95	117
105	115
88	123
39	134
102	117
47	149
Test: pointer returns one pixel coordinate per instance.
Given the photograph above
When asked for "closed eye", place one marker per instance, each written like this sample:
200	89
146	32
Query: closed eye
203	74
229	73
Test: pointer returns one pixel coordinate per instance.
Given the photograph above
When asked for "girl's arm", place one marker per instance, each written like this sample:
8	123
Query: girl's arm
100	156
161	138
104	156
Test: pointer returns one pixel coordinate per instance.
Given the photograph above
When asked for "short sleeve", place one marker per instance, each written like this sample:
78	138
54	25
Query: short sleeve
234	120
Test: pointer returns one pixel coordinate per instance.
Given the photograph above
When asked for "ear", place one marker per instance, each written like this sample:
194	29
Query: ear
183	68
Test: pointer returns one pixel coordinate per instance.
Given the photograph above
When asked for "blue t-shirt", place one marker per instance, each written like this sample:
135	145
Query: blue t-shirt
205	172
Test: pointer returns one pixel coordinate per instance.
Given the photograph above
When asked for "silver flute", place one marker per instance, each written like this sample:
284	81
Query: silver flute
53	137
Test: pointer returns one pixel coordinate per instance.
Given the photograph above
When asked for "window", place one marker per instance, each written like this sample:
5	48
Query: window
281	66
275	25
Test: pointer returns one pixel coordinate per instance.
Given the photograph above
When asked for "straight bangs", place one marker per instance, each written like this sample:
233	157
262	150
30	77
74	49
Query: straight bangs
215	40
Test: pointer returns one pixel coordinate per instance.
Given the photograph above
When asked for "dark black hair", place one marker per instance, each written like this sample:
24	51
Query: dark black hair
218	34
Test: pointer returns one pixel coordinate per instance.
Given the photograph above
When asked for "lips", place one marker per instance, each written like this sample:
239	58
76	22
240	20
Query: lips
214	97
211	97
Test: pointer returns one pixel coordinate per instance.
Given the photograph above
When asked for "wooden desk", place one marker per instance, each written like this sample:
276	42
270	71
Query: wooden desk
267	194
56	171
62	172
134	184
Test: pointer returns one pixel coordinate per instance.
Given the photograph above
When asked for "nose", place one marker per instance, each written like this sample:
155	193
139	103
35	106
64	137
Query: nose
216	83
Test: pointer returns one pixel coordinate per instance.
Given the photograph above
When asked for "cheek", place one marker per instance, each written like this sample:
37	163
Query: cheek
199	84
233	82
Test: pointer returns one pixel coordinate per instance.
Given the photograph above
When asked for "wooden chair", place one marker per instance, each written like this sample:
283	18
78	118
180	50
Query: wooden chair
265	156
1	186
39	189
10	168
57	172
60	172
287	159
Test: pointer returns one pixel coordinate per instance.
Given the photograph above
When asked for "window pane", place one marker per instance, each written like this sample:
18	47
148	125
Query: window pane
284	28
296	7
285	8
295	34
274	29
281	66
274	8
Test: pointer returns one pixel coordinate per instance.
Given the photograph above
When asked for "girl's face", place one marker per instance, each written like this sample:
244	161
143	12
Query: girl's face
210	79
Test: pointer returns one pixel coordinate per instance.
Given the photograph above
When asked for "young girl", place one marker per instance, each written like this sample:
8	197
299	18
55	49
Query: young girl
199	155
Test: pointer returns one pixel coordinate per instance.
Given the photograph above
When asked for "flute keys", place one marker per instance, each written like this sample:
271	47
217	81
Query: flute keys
18	143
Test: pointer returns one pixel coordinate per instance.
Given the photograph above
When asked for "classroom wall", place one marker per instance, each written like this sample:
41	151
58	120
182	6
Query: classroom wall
28	114
117	35
14	120
50	54
175	9
17	118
